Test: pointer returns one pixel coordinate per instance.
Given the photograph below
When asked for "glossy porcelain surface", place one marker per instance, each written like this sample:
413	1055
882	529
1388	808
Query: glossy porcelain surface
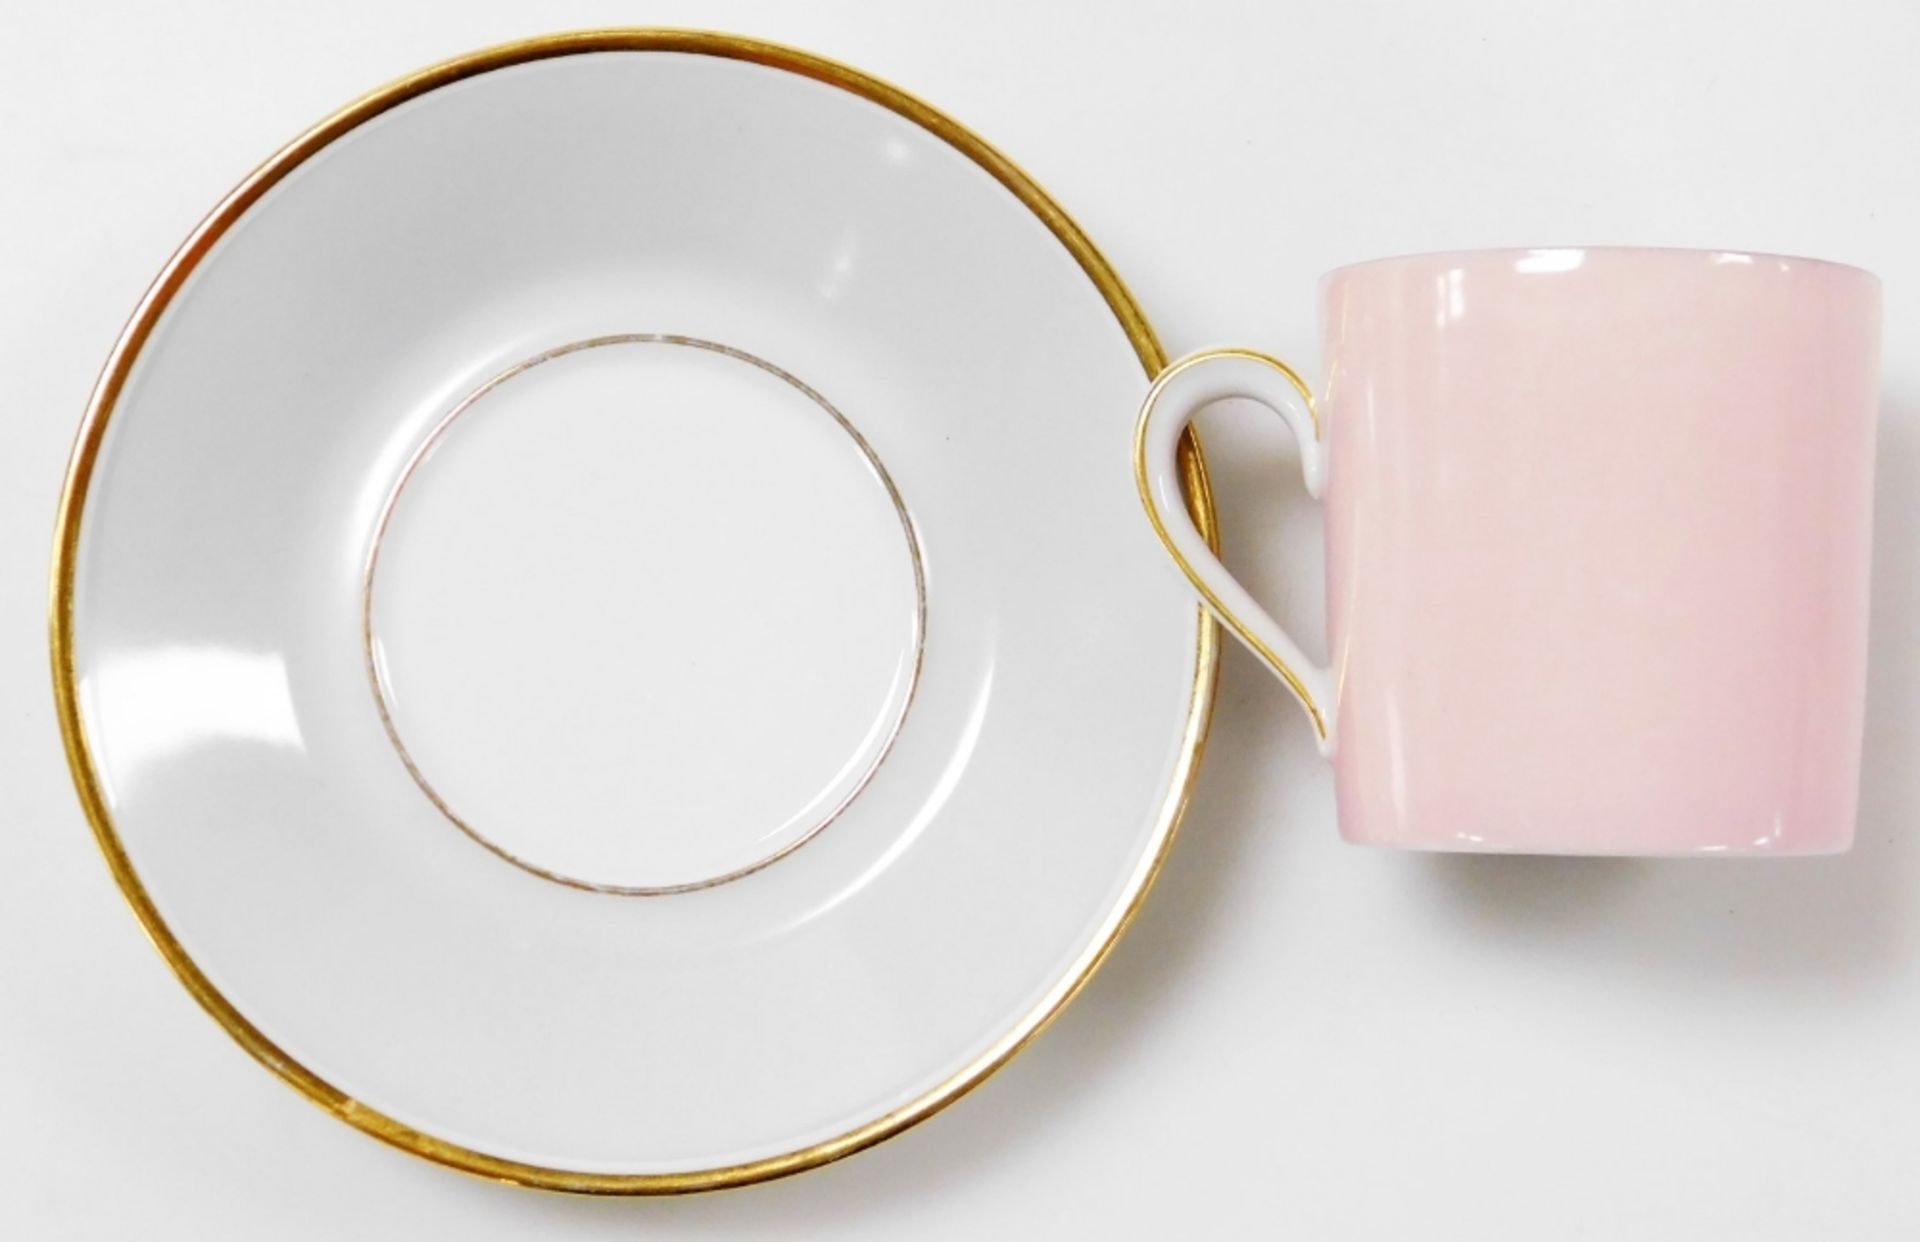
640	617
1598	532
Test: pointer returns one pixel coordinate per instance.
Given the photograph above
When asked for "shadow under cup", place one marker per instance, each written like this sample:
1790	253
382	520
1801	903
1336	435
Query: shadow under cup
1598	537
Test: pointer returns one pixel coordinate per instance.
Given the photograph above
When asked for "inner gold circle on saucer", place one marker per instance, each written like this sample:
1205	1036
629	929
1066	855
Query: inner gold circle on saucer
600	688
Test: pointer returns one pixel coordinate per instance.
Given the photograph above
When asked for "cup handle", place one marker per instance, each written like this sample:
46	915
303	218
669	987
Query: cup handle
1176	396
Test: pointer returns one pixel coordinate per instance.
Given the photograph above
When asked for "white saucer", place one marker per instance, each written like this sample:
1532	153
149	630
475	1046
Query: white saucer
601	619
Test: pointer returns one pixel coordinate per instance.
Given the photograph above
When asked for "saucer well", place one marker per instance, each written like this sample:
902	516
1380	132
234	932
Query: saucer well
600	621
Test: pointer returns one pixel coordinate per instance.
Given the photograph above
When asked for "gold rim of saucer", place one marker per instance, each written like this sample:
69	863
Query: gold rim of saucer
113	377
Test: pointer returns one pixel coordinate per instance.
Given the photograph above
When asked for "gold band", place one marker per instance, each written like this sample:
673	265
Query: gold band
383	699
86	454
1141	477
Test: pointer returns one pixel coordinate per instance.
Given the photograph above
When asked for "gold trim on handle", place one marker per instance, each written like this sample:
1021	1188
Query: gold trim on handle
1315	713
86	453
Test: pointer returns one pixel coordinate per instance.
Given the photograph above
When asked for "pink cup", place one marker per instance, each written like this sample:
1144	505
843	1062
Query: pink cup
1598	532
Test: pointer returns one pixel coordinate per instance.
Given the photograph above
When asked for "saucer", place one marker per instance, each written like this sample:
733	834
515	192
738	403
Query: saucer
600	621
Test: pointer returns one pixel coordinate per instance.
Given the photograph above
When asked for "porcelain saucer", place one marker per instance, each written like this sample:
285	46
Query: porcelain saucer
601	621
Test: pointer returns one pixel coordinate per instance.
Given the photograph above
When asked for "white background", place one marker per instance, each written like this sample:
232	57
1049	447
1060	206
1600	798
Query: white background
1298	1038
